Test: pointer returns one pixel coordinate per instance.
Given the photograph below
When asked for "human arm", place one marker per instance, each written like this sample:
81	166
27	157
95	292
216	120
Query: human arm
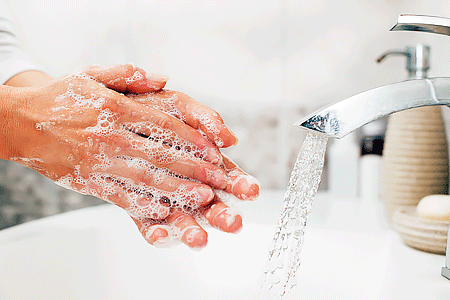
75	127
28	78
34	134
58	122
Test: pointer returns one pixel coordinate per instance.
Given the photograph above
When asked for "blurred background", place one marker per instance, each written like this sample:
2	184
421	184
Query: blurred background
261	64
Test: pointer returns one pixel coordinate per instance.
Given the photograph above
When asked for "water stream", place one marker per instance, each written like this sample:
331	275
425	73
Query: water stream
279	276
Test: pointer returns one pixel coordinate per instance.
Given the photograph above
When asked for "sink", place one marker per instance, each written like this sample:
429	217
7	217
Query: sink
97	253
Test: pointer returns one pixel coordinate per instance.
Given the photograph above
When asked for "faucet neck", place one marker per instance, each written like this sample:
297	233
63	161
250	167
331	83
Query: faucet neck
418	61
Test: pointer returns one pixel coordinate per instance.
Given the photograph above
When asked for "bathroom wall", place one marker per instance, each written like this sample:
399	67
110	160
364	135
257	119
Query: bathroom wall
261	64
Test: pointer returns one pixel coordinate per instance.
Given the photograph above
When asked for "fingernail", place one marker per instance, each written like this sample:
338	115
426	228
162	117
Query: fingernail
206	193
244	186
157	77
252	190
194	237
253	193
227	220
235	137
161	240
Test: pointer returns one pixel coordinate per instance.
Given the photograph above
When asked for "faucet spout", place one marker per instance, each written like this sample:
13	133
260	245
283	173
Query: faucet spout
430	24
345	116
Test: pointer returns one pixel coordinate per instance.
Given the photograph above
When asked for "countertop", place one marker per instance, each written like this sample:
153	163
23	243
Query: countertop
97	253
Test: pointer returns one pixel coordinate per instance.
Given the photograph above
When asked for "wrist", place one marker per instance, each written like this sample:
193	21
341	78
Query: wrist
11	105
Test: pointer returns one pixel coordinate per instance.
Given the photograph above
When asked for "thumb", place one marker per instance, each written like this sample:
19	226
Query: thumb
127	78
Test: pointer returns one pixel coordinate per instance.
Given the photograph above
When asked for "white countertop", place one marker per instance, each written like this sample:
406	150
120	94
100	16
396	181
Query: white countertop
97	253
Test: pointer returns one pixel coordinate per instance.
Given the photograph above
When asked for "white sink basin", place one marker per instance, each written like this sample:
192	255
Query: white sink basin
97	253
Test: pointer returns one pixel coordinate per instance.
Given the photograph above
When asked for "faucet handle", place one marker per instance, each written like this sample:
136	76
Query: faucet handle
430	24
417	60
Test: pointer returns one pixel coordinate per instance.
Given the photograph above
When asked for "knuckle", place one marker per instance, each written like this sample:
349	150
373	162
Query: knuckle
90	69
165	123
114	104
128	70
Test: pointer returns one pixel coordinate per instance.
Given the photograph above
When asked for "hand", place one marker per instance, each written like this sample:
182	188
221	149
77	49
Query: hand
185	225
208	122
85	136
191	112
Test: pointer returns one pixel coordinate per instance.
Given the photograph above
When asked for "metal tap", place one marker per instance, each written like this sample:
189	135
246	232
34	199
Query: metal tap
345	116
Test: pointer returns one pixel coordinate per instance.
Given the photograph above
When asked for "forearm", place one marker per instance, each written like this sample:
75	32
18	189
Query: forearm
28	78
9	122
11	104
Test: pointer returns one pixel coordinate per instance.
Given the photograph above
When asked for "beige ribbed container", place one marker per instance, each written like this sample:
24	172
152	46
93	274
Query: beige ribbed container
420	233
415	158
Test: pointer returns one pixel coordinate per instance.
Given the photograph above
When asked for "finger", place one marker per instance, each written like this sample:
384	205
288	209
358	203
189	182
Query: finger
223	217
240	184
162	149
176	169
160	127
120	113
179	162
136	200
127	78
162	184
153	232
193	113
192	234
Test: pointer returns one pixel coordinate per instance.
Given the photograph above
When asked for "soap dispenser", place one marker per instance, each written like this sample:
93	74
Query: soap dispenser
415	155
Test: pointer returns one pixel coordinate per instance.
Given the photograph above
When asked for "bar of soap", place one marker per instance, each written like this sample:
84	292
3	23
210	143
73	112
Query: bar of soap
434	207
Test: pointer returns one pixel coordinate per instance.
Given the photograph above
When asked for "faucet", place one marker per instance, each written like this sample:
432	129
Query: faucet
345	116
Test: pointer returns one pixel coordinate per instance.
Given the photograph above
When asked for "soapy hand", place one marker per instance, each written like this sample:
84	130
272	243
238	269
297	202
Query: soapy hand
144	156
211	125
184	226
243	186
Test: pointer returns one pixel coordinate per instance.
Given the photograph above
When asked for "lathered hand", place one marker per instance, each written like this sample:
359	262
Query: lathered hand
79	131
184	224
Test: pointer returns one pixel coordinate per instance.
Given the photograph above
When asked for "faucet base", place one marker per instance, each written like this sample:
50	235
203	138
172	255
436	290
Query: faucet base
445	272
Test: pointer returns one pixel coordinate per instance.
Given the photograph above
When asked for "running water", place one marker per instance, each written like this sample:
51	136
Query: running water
284	253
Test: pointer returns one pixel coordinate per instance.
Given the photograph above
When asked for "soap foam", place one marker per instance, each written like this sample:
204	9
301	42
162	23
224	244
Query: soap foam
164	145
204	119
73	98
135	77
106	124
181	199
80	75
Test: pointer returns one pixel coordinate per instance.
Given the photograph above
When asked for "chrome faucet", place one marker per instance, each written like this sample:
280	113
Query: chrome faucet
345	116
